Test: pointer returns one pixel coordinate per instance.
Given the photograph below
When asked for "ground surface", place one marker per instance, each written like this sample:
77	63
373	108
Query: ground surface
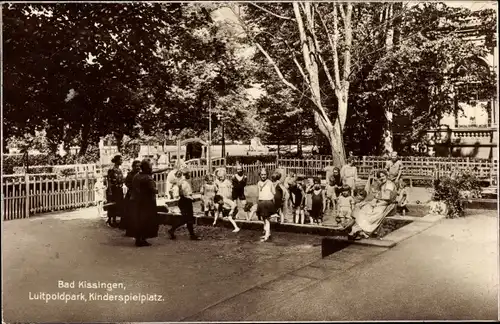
449	271
190	275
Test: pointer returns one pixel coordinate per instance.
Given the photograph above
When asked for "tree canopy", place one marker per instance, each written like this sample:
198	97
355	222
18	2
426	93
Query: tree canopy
82	71
356	72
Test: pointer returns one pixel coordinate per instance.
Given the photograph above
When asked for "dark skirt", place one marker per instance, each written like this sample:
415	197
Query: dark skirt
265	208
117	198
143	219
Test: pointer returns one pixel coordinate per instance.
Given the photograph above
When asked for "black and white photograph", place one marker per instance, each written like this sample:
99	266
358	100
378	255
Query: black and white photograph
296	161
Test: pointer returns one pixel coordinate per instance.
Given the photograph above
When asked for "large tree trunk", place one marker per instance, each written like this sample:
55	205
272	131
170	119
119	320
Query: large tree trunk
85	140
119	142
333	133
389	41
389	37
388	136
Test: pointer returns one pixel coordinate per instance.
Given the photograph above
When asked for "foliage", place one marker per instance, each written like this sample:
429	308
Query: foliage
28	142
82	71
250	159
282	114
394	46
416	82
455	191
9	162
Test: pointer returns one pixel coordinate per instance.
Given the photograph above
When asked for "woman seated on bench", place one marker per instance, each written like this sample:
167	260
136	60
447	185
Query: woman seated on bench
369	217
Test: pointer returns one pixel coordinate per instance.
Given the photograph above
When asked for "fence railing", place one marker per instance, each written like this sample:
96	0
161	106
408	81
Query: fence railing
414	167
29	194
252	171
25	195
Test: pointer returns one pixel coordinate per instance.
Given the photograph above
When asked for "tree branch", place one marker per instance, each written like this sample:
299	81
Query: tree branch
307	51
275	66
319	52
270	12
336	68
348	40
342	12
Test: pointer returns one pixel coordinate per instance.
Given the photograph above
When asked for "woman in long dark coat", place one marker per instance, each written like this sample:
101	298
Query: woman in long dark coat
114	193
143	221
136	168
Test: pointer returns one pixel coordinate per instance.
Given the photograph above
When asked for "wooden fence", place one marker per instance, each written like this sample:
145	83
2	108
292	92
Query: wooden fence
252	171
25	195
414	167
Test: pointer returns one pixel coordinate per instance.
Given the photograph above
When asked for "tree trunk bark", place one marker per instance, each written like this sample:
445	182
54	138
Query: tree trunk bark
388	136
85	141
119	142
389	38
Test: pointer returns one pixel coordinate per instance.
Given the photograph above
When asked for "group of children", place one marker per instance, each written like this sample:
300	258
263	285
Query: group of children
220	195
309	200
306	200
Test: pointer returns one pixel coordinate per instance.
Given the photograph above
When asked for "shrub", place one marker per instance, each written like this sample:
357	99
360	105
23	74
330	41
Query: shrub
456	191
250	159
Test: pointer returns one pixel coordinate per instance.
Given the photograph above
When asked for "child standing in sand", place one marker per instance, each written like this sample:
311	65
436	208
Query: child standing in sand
345	205
208	191
99	195
402	198
318	202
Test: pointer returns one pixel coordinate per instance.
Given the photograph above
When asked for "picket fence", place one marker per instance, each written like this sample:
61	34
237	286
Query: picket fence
29	194
24	195
414	168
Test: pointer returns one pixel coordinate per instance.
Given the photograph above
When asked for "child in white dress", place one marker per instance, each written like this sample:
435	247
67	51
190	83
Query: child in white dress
99	195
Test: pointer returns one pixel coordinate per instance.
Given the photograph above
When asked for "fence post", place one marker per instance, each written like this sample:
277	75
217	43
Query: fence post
86	188
27	193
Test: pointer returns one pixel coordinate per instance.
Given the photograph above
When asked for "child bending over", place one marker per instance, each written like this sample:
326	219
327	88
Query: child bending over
228	208
250	209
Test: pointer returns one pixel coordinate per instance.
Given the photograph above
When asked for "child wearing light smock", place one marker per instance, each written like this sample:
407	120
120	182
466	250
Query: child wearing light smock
345	205
99	188
349	174
208	191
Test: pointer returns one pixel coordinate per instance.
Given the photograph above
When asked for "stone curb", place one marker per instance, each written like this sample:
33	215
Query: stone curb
335	234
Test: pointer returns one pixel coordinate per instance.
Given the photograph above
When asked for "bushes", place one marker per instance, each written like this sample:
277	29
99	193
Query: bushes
455	192
250	159
10	162
14	163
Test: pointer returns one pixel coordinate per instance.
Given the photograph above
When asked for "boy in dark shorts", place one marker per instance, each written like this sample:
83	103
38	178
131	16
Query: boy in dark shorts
186	207
265	206
278	196
239	182
318	202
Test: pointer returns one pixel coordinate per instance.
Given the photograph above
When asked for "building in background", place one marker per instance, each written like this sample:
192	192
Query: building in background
471	131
